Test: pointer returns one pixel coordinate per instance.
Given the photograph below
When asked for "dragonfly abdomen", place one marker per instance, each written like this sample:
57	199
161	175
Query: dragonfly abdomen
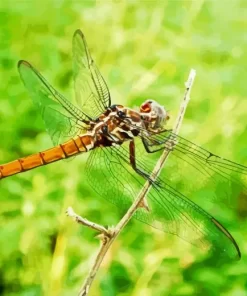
70	148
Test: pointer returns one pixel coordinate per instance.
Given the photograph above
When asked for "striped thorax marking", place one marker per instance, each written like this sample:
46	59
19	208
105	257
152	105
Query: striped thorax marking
117	126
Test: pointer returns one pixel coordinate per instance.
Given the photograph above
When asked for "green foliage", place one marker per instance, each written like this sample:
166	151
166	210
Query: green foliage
144	49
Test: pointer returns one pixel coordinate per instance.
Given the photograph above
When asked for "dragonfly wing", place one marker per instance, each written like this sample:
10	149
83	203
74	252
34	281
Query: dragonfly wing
171	212
174	213
109	176
92	93
62	119
210	168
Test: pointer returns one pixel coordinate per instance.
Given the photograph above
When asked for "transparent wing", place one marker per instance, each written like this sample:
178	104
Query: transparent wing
92	93
162	141
206	167
62	119
103	167
111	175
176	214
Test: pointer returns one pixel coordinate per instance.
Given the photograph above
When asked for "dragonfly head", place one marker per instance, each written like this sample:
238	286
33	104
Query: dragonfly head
153	114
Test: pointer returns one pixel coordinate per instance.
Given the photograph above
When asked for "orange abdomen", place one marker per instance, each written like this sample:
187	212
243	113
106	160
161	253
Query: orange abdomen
72	147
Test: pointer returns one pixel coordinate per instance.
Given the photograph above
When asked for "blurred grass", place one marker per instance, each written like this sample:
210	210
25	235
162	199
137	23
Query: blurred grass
144	49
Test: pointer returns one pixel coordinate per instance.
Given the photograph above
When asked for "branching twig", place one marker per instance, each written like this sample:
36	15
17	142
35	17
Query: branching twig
110	236
101	229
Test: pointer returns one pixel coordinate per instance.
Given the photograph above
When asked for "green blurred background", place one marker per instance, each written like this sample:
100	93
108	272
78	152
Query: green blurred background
144	49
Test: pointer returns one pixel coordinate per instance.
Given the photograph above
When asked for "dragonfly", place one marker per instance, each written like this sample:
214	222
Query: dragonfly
113	135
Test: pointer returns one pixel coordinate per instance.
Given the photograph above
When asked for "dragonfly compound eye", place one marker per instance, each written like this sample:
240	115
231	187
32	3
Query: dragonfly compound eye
146	107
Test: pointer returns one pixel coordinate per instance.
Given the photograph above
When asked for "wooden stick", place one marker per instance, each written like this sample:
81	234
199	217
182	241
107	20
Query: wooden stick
101	229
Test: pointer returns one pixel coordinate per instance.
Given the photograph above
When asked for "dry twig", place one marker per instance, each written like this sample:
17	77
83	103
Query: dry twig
108	236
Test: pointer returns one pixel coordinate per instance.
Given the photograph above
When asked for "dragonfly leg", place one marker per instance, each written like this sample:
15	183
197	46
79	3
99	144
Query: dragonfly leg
154	144
150	148
133	162
147	146
143	203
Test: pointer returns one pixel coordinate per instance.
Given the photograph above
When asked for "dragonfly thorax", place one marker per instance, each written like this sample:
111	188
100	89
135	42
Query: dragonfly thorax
117	125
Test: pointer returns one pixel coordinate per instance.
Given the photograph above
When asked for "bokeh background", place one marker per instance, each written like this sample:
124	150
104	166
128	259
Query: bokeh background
144	49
